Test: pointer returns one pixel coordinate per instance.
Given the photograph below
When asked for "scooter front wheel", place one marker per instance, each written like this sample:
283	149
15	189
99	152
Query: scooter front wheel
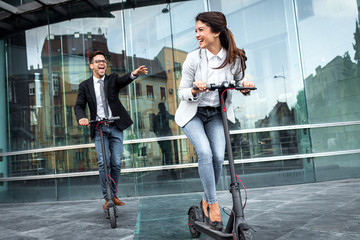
112	216
195	214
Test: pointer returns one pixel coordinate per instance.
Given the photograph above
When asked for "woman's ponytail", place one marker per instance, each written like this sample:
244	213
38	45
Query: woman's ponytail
233	52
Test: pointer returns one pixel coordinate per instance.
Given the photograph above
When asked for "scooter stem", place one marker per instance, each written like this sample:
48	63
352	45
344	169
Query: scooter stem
107	180
234	185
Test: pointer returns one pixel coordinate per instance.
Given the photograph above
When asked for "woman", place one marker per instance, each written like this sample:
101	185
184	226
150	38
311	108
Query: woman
199	116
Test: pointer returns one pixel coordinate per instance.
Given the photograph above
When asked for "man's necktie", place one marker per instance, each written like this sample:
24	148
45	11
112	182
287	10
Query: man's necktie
103	99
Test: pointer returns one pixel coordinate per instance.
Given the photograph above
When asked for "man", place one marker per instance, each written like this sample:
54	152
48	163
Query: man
91	92
161	129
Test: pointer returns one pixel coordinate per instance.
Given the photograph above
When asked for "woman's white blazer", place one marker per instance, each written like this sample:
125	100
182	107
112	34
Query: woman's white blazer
195	68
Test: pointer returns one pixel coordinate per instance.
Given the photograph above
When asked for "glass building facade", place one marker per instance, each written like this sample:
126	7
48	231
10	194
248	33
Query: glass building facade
301	125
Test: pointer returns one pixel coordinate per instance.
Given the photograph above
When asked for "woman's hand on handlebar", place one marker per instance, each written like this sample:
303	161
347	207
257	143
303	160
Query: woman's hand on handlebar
84	122
246	83
201	85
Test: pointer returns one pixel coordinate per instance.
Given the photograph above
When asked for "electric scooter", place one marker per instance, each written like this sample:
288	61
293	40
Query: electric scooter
111	211
236	228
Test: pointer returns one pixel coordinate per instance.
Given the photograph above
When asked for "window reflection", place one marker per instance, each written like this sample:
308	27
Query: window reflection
42	87
53	84
331	66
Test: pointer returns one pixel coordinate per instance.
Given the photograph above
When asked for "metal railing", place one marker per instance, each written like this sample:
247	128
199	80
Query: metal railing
188	165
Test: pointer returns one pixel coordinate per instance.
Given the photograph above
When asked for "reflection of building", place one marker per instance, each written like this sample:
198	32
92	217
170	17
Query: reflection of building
327	87
59	80
36	105
173	72
24	88
332	95
277	142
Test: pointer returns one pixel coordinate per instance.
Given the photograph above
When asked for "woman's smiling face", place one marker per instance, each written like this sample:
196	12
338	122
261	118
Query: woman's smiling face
204	35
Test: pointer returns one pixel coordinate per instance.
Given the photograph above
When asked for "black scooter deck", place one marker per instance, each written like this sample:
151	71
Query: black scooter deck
218	235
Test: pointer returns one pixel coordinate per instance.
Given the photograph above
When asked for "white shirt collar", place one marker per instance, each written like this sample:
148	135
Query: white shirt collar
96	80
221	54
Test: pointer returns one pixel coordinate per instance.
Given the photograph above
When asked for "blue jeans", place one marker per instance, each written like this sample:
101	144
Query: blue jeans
113	140
206	132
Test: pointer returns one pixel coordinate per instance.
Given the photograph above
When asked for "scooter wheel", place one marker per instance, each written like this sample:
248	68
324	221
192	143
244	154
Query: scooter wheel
195	214
112	216
245	234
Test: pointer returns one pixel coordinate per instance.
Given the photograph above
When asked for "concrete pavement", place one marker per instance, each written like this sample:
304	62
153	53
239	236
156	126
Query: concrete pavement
326	210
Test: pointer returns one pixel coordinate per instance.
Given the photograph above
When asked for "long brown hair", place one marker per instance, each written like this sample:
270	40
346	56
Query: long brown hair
217	23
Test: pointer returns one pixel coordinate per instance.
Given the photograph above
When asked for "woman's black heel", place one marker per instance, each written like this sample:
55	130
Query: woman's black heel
206	218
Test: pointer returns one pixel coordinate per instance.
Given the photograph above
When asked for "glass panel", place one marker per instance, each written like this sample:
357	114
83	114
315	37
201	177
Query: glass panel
3	116
335	167
335	138
29	191
330	40
273	173
269	144
265	29
265	144
252	175
79	188
245	146
41	93
44	66
161	42
279	143
78	160
171	181
158	42
163	152
71	43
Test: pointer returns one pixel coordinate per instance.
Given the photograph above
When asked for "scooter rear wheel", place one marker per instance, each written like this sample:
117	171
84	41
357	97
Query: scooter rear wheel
246	234
112	216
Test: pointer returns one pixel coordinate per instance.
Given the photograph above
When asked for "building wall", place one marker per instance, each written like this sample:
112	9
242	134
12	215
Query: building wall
300	125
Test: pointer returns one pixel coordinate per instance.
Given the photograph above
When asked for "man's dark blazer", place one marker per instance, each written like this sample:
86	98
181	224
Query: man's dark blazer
112	85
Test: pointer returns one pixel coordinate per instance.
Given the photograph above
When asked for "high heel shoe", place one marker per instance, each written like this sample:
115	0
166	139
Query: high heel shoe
204	206
215	217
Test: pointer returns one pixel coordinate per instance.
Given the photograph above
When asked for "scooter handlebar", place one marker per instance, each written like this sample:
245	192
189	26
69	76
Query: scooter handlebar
104	119
225	85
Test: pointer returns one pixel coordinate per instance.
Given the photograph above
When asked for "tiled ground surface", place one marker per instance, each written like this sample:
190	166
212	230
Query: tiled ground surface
326	210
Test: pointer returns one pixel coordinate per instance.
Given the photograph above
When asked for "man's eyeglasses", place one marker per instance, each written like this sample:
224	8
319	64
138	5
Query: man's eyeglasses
100	61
